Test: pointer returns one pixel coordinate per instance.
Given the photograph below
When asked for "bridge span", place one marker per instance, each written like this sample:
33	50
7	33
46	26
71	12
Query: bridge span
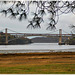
34	34
60	35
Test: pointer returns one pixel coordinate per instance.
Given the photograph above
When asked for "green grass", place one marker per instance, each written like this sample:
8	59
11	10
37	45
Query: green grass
40	69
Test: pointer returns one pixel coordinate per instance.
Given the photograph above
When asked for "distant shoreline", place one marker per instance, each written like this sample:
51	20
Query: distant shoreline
41	53
35	51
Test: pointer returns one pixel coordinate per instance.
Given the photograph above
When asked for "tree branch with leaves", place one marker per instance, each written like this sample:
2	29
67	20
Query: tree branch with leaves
21	10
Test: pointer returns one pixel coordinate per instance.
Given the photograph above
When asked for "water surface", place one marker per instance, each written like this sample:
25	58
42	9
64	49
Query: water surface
36	47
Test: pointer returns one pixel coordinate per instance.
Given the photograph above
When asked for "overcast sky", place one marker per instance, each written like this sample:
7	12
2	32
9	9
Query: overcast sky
20	26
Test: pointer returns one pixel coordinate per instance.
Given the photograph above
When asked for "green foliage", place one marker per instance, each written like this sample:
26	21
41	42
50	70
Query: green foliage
20	41
71	41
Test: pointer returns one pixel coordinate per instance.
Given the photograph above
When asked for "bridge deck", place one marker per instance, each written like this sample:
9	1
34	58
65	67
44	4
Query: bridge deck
33	34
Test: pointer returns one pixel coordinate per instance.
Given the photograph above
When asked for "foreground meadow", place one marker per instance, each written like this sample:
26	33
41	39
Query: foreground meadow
38	63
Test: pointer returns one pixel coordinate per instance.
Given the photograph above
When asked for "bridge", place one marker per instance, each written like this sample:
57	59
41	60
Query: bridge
19	35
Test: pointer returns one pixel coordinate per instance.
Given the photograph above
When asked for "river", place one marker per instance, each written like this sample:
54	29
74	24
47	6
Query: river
36	47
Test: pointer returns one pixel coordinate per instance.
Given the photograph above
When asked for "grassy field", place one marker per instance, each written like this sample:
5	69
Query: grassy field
38	63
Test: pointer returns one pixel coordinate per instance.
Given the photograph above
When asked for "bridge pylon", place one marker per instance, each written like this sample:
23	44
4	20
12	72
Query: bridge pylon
60	36
6	37
0	37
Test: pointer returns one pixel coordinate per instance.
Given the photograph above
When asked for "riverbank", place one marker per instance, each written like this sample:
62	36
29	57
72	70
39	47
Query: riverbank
38	63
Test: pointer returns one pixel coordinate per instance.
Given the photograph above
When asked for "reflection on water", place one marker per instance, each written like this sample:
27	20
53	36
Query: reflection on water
36	47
